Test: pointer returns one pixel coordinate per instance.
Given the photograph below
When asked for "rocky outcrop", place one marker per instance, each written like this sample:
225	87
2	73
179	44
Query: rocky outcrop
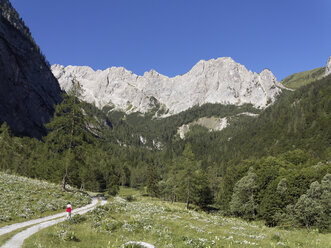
28	89
328	67
211	123
219	80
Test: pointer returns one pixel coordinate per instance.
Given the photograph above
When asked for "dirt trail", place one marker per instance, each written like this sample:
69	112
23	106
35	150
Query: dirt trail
17	240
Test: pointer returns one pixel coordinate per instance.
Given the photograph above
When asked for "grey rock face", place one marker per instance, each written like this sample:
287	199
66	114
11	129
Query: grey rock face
28	89
214	81
328	67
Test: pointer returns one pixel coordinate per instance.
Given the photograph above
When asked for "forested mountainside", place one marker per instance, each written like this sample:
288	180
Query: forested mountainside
287	146
147	131
28	89
298	119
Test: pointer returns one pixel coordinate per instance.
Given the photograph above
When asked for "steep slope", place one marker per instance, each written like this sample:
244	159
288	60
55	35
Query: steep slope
328	67
300	79
145	130
28	89
214	81
298	120
21	192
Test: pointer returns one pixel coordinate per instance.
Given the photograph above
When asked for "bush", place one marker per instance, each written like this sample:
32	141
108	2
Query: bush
70	236
130	198
67	235
77	218
110	225
276	237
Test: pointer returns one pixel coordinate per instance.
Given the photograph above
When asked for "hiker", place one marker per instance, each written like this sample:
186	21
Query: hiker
68	210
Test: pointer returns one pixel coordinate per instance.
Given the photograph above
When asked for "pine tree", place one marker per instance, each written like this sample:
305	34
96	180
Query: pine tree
6	147
69	130
201	192
325	224
189	166
152	181
112	185
274	202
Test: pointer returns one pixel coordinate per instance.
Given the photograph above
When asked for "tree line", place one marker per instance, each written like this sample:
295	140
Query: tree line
274	167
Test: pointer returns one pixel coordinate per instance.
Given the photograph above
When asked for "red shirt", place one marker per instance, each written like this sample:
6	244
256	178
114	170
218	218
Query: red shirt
69	208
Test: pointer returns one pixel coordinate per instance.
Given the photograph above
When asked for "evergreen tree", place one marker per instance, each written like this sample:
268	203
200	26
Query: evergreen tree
68	130
201	192
112	185
6	148
173	180
214	181
274	202
325	224
152	181
125	175
189	166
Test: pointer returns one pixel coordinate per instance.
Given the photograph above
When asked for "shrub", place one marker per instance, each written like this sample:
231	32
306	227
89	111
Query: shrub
130	198
77	218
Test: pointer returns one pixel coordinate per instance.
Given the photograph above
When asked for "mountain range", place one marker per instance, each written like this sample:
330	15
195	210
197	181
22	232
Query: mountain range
30	89
219	80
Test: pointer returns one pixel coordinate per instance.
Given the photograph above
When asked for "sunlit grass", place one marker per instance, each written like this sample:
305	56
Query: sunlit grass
300	79
23	199
4	238
168	225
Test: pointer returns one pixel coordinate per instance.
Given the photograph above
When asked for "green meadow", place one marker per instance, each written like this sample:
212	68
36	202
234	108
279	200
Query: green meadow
23	199
134	217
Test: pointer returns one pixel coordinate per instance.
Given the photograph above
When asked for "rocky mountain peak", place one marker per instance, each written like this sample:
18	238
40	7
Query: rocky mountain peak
220	80
328	67
151	73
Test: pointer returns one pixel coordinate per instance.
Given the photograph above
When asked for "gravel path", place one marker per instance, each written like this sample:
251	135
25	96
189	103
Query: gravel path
17	240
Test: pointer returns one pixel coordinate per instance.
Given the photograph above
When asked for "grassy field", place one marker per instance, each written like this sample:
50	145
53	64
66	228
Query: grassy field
22	199
300	79
167	225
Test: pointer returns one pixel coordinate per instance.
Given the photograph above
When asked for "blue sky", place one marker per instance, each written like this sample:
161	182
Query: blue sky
171	36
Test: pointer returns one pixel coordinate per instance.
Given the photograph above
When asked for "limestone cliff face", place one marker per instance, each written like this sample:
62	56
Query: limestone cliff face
28	89
219	80
328	67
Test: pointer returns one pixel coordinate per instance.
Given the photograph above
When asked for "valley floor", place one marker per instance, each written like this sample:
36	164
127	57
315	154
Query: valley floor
23	199
136	218
36	225
28	205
